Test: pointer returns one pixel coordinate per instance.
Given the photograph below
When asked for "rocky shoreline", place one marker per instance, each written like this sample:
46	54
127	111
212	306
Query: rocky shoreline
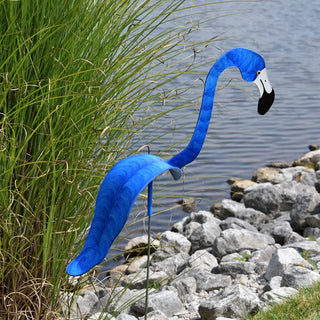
254	249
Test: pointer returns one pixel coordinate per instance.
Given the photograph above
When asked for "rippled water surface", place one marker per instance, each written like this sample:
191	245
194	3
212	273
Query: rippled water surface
239	140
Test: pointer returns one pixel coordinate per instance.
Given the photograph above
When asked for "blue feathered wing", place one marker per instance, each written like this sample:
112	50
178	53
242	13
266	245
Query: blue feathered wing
117	194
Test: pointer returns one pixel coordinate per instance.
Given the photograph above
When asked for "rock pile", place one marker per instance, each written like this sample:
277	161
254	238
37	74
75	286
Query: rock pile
227	264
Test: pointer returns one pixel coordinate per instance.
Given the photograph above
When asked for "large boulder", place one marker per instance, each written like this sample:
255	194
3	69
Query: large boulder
306	246
236	223
278	294
172	265
202	230
139	280
283	259
186	287
233	301
87	302
234	240
230	208
298	276
289	191
279	230
202	259
171	243
236	267
166	301
208	281
304	206
264	197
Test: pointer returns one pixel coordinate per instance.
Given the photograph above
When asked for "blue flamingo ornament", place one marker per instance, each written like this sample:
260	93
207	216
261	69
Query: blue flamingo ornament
126	180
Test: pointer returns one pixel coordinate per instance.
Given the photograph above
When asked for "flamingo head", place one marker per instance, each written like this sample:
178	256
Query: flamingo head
253	69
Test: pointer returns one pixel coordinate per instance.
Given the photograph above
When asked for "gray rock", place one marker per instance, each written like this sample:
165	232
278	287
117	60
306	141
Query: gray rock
306	177
274	283
203	217
122	298
297	276
139	280
311	247
231	257
201	236
236	267
279	230
261	258
233	301
282	259
208	281
180	225
313	220
88	302
289	190
202	230
235	223
263	197
172	265
278	294
171	243
311	232
186	287
300	174
233	240
293	238
202	259
230	208
223	318
165	301
305	205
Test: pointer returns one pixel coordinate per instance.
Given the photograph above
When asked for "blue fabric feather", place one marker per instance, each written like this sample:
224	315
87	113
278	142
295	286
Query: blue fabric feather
118	192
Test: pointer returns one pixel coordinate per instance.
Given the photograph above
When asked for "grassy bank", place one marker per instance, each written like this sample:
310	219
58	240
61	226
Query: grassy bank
79	81
303	306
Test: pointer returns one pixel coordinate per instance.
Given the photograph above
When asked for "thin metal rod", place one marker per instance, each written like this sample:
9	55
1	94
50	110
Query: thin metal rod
150	186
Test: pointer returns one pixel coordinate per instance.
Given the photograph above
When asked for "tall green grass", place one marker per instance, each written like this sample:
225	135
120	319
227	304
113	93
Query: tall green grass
302	306
78	81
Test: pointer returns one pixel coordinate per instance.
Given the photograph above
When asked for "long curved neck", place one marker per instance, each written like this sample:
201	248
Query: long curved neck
194	147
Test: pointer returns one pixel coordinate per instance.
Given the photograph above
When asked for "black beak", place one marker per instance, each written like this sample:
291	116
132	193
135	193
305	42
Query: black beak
265	102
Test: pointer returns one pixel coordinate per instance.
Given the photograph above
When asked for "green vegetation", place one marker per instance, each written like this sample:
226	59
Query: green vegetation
305	256
79	80
303	306
244	257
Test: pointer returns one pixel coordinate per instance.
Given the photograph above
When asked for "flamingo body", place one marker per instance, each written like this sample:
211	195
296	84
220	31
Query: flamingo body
130	176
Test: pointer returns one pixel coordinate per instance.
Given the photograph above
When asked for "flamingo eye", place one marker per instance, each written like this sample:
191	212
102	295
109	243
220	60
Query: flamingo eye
258	72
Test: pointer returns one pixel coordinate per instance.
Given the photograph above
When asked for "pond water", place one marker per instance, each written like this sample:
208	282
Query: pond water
240	141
